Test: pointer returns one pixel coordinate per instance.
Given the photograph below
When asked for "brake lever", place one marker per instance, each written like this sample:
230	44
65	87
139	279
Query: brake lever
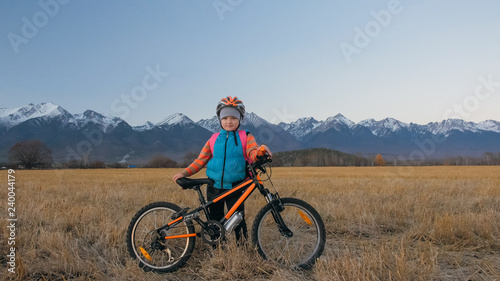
263	169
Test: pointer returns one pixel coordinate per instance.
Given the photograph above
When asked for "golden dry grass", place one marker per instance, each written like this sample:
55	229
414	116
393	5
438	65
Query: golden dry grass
385	223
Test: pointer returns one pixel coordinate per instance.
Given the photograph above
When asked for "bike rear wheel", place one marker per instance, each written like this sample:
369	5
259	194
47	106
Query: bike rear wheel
146	244
299	250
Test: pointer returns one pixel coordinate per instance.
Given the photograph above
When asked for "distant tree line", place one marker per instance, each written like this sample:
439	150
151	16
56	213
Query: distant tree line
35	154
317	157
157	161
161	161
487	159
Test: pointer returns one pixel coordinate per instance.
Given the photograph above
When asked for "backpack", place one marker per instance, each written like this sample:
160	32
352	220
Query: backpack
243	138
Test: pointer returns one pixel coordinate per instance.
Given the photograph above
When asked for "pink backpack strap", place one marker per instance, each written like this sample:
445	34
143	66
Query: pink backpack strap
243	138
212	142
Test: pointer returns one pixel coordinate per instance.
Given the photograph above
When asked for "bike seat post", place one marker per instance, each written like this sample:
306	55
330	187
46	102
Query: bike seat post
200	194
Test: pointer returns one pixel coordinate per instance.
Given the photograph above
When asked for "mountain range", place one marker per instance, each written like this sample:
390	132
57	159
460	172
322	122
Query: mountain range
93	136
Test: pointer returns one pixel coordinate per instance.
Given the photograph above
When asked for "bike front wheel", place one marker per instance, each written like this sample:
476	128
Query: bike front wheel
145	238
301	245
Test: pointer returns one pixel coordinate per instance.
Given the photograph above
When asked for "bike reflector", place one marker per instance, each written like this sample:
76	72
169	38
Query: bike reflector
306	219
143	251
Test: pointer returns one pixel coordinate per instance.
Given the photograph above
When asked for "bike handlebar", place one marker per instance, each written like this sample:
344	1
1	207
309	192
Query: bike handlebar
261	160
261	151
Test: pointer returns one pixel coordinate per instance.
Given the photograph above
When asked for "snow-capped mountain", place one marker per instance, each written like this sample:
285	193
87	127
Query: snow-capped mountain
89	117
301	127
94	136
11	117
46	112
71	136
446	126
250	120
393	137
175	119
391	125
146	126
212	124
338	122
383	127
172	120
489	125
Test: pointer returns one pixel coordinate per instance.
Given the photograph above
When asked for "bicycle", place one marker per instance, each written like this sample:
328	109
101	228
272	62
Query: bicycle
288	231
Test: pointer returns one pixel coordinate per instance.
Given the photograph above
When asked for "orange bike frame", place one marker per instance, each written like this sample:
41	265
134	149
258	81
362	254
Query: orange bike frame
250	187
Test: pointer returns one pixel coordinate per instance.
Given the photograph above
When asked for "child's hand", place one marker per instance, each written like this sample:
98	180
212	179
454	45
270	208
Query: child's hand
268	151
177	176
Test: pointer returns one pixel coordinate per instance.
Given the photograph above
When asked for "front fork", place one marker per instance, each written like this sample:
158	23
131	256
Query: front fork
276	209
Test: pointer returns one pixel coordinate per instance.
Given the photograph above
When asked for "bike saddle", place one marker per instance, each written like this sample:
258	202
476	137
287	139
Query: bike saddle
188	183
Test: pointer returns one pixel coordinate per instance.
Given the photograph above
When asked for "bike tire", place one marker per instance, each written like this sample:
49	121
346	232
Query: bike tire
299	251
142	233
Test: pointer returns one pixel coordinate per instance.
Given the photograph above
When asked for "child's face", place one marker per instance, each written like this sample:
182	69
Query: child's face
230	123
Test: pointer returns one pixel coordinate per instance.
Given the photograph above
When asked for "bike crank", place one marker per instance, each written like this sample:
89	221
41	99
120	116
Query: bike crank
213	232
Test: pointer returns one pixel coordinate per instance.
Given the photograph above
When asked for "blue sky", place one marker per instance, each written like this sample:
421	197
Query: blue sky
416	61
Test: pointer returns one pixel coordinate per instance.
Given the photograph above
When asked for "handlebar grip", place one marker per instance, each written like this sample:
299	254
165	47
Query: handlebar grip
261	151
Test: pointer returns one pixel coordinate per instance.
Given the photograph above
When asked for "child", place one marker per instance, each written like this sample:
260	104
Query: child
226	163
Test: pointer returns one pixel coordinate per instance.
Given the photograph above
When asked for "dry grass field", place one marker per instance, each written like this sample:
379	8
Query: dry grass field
386	223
